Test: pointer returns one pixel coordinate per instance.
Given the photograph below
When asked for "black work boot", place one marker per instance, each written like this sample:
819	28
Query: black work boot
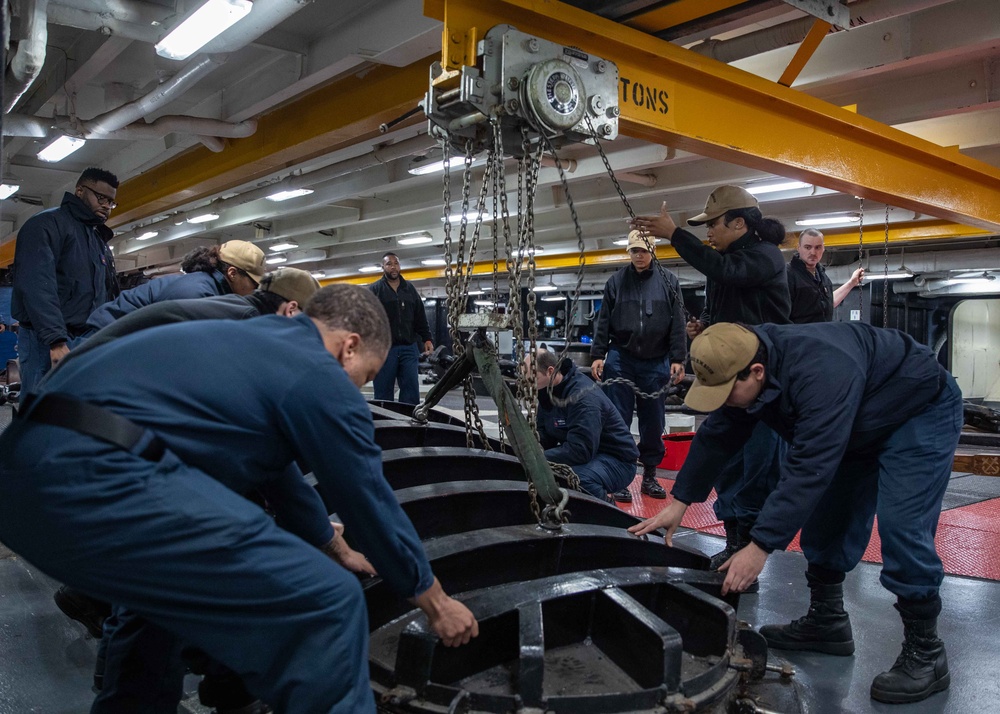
732	545
825	628
84	609
922	667
650	486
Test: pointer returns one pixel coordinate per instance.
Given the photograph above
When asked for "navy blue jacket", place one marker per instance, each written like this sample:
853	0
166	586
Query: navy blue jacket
293	401
640	314
812	296
63	269
746	283
171	287
576	433
831	389
405	310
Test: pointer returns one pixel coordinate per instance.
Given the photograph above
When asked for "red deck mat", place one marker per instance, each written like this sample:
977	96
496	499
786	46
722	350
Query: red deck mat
968	538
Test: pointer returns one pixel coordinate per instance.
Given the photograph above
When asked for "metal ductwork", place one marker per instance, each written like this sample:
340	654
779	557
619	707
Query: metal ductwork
26	64
790	33
40	127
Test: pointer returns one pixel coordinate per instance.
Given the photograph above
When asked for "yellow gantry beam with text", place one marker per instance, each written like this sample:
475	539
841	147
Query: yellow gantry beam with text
676	97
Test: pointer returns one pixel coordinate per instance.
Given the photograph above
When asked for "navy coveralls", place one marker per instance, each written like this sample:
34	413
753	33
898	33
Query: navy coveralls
408	322
639	333
172	539
873	422
588	434
746	283
63	269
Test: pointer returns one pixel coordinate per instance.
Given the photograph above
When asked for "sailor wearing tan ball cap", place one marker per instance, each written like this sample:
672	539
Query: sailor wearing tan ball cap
872	421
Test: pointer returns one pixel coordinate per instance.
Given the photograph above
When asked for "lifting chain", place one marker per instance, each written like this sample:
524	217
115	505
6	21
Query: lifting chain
568	474
861	253
885	280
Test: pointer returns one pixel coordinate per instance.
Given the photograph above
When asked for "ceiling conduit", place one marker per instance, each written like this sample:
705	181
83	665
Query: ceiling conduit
26	64
790	33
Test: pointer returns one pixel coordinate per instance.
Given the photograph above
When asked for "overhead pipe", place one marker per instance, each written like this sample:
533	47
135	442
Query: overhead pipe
790	33
40	127
165	93
122	18
27	62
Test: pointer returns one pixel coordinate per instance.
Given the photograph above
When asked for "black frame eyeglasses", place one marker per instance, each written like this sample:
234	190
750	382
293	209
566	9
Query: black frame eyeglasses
101	198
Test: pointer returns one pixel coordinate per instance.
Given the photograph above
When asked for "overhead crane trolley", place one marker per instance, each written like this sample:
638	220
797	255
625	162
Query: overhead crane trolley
556	89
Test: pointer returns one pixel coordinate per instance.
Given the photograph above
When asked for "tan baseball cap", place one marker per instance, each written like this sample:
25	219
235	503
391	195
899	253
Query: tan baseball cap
717	355
291	284
637	240
723	199
245	256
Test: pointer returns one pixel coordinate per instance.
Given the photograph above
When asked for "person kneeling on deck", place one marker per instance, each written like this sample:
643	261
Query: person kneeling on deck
587	433
128	489
873	421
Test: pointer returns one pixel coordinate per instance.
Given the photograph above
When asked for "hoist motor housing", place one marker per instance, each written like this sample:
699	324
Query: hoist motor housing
521	78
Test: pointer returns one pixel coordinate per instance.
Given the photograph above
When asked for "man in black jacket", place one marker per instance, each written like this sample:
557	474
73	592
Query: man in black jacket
580	427
746	283
63	269
873	421
640	336
408	322
812	293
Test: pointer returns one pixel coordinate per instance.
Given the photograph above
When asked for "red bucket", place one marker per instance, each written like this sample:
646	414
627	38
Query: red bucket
676	447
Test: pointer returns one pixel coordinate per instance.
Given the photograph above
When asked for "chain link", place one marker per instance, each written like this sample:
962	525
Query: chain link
861	253
885	281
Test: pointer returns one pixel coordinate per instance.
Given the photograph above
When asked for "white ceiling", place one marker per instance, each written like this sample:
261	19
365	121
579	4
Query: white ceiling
933	71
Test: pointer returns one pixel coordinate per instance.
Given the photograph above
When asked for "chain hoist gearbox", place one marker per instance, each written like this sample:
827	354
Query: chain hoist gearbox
520	78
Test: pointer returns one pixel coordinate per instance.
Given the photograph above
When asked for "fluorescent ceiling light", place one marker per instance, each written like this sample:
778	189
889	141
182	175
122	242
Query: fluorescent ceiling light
292	193
828	221
419	168
318	274
434	261
415	239
206	23
60	148
288	245
204	218
624	241
484	303
276	260
544	288
476	292
370	269
7	190
759	189
554	298
147	235
470	217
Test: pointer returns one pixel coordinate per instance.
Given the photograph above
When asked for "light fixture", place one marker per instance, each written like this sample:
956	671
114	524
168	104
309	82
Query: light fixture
484	303
471	217
420	167
415	238
318	274
7	190
60	148
759	189
478	291
207	22
290	193
369	268
204	218
287	245
828	221
147	235
276	260
623	241
434	261
544	288
554	298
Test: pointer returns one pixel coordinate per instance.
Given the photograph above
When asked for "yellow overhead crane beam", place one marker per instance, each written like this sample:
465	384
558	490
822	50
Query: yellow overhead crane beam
669	95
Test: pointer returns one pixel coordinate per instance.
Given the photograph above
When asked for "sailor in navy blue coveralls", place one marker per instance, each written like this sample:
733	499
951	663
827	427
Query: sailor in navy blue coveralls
169	536
873	421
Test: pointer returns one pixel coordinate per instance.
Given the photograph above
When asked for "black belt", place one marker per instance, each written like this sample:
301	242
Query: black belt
98	422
